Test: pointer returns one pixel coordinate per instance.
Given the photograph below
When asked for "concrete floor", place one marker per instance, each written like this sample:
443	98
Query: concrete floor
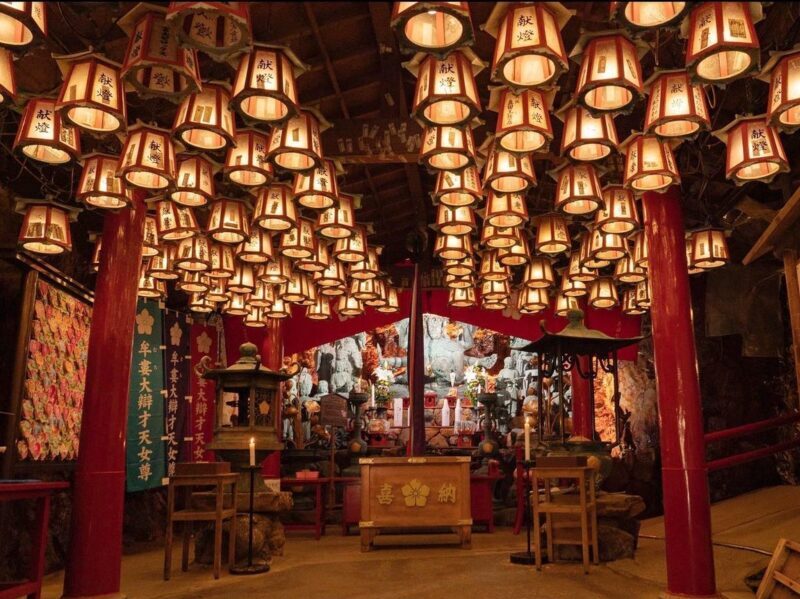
334	567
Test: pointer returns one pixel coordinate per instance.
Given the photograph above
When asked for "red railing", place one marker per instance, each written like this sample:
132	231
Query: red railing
750	429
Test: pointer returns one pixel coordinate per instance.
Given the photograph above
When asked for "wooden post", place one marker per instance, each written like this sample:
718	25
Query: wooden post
793	295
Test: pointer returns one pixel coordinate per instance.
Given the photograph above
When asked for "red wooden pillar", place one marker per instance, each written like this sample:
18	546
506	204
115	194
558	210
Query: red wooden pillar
95	552
416	369
272	346
687	510
582	401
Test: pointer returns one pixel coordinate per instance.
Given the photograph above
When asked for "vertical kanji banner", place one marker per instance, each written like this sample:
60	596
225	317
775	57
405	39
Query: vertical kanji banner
203	345
177	367
145	449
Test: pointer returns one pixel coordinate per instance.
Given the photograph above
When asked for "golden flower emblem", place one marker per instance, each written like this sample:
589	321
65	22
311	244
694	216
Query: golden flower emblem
415	493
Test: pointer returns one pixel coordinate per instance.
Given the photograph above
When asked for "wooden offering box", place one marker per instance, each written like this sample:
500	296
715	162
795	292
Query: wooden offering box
410	494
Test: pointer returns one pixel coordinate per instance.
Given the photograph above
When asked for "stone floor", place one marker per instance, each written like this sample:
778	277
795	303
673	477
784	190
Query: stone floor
334	567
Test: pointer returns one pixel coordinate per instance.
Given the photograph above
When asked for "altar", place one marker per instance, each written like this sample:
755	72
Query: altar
414	494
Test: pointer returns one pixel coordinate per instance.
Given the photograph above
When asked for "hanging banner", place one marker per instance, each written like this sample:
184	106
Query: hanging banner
203	346
177	367
145	448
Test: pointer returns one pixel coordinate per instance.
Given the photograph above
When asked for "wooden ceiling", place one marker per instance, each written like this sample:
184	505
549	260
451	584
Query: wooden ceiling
356	78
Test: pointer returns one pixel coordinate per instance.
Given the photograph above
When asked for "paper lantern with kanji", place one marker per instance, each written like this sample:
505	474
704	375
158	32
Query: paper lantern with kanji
447	148
350	306
194	183
627	271
506	172
44	137
364	289
92	97
45	227
257	248
446	93
458	188
318	261
218	292
492	269
576	270
523	120
353	248
539	273
200	304
299	241
150	287
333	279
640	249
454	282
610	78
607	247
499	237
754	150
517	254
709	249
629	305
21	23
495	304
693	270
193	254
783	103
243	279
461	298
506	209
603	294
588	258
236	305
222	261
495	290
722	43
297	289
148	158
150	245
577	189
321	310
369	268
552	235
573	287
649	164
585	137
452	247
265	88
255	318
278	309
276	272
162	264
618	213
566	304
528	52
100	186
275	209
317	188
456	221
392	304
263	295
676	108
532	300
204	121
8	80
337	222
648	15
435	28
175	222
220	29
229	221
643	299
246	162
155	64
459	268
381	298
193	282
295	144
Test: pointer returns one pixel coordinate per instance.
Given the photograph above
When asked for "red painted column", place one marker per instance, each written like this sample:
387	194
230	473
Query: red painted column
582	402
272	346
687	510
95	552
416	369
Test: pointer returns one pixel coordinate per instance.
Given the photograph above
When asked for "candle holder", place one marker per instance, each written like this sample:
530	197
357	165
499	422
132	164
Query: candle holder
489	445
357	444
526	558
250	566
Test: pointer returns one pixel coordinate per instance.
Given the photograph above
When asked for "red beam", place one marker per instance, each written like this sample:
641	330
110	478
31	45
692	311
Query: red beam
749	456
750	429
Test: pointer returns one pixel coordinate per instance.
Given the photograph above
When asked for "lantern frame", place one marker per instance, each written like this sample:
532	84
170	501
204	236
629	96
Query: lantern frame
222	261
161	266
392	304
246	162
225	23
499	237
446	16
44	137
194	182
745	138
99	185
585	137
297	152
321	310
353	248
350	306
275	209
446	93
665	115
204	120
276	272
532	300
446	148
144	144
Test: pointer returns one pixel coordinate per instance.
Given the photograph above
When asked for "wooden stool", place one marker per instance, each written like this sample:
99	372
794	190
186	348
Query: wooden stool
582	507
189	515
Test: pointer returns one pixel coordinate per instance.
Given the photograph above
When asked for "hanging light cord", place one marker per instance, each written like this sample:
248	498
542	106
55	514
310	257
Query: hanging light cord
718	544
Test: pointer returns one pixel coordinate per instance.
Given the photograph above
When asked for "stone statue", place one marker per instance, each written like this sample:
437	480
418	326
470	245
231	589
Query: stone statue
326	354
304	384
347	366
322	389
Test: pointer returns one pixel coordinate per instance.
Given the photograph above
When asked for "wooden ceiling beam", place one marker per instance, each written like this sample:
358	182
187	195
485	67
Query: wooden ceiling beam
775	231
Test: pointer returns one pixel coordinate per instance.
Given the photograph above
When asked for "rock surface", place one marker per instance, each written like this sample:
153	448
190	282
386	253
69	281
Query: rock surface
269	539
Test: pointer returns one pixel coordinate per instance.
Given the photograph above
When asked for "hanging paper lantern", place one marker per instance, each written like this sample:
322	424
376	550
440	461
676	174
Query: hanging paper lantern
539	273
338	221
495	290
278	309
8	81
317	188
150	287
161	265
648	15
193	254
676	107
452	247
586	137
607	247
722	42
194	184
456	189
566	304
610	78
256	249
236	305
350	306
333	277
640	249
649	164
175	222
587	258
576	271
45	228
508	173
295	144
693	270
392	304
627	271
499	237
709	249
154	64
446	93
572	287
462	298
492	269
92	97
148	158
298	289
265	88
193	282
255	318
447	148
150	246
523	121
43	136
603	294
299	241
532	300
618	213
498	304
222	261
552	235
319	261
577	189
459	268
277	272
204	120
454	282
321	310
246	161
366	269
99	185
433	27
21	23
263	295
506	209
275	209
629	305
456	221
783	104
218	292
529	51
380	300
364	289
220	29
754	150
198	303
353	248
228	221
643	295
516	255
243	279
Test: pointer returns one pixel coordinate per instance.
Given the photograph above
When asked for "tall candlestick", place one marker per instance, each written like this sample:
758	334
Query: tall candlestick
458	413
252	451
452	379
527	439
446	413
398	411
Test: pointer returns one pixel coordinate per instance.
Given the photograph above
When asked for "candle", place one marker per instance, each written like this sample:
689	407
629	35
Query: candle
458	412
252	451
527	439
386	365
372	396
452	379
446	413
398	411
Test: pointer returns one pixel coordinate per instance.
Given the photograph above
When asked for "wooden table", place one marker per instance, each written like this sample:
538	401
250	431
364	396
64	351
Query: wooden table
351	501
40	492
319	503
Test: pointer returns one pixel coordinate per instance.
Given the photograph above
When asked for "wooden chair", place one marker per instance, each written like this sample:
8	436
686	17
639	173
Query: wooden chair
566	510
187	482
782	577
